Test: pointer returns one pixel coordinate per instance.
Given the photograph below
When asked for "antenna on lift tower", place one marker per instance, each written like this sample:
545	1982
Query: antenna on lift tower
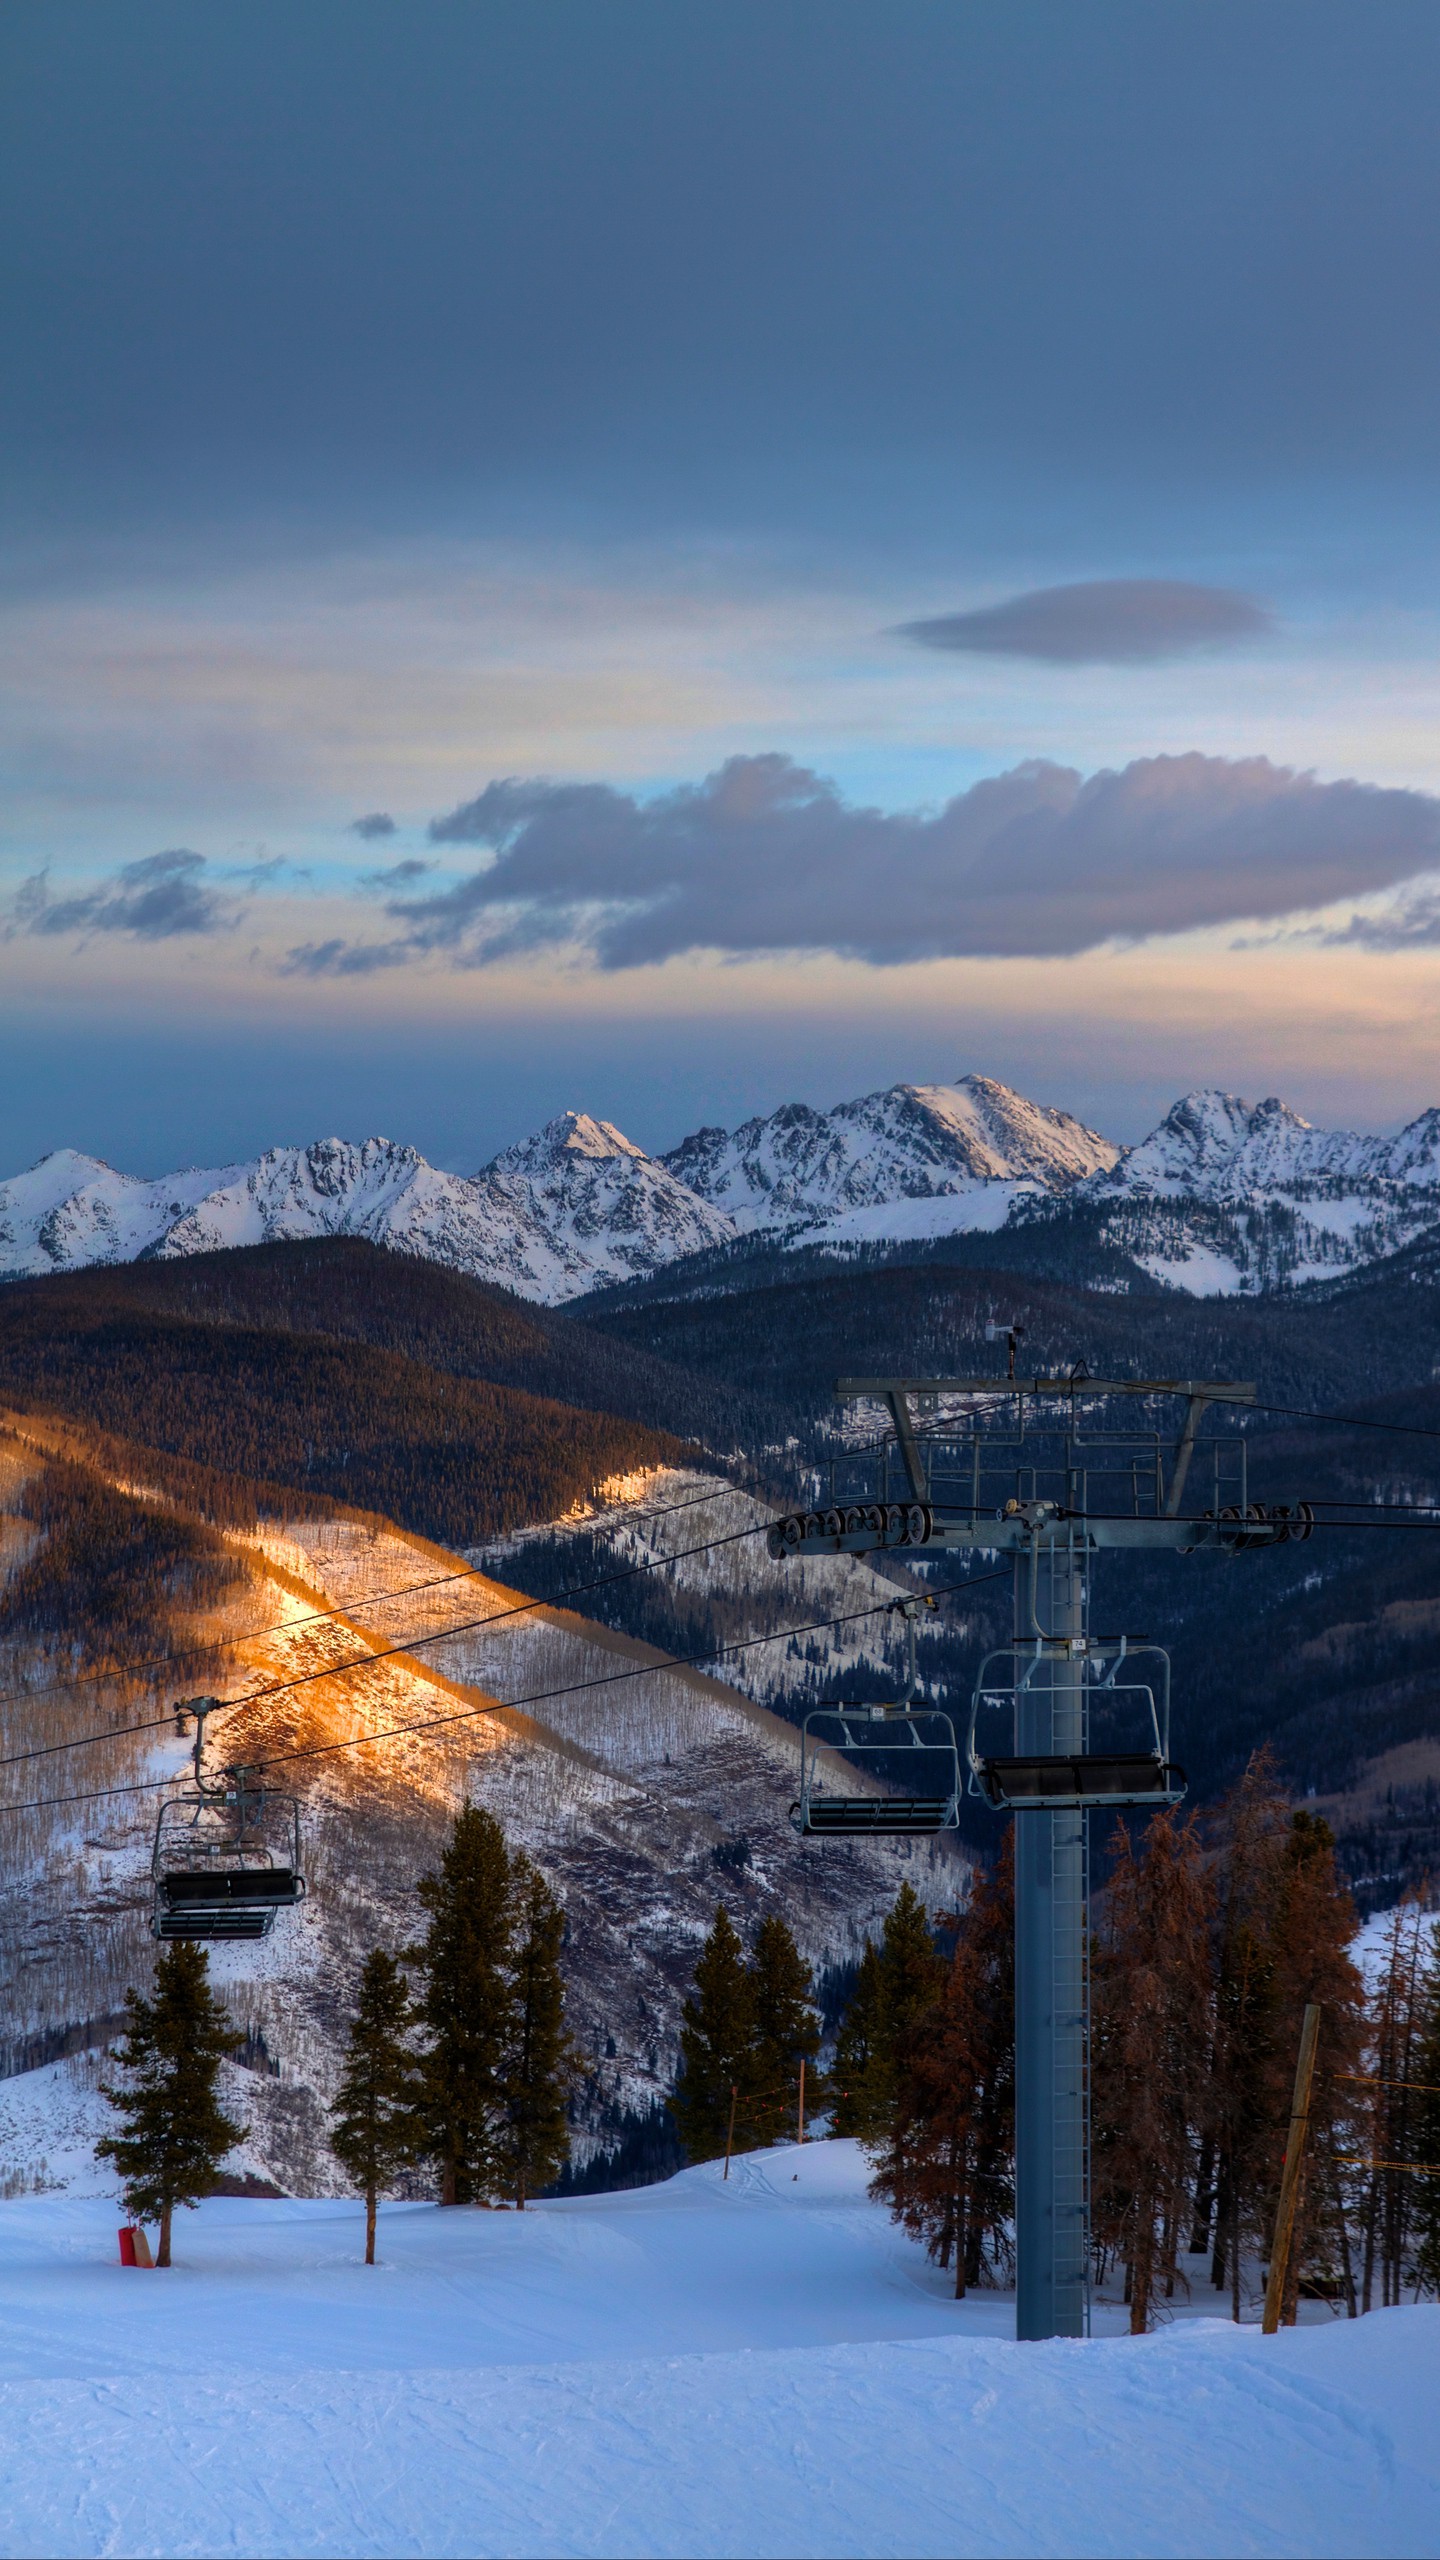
1037	1484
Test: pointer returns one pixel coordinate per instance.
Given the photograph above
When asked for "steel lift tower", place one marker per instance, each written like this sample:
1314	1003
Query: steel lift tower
1024	1474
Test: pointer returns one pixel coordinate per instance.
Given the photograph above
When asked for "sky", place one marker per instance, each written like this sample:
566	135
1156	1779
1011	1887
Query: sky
665	560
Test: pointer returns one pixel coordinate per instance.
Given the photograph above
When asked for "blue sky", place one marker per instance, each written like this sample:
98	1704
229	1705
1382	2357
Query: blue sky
715	445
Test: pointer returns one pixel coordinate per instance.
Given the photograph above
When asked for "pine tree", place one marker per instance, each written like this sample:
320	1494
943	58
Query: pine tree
542	2062
1153	2030
948	2165
376	2128
466	2003
717	2046
1251	1829
896	1989
177	2133
861	2106
787	2031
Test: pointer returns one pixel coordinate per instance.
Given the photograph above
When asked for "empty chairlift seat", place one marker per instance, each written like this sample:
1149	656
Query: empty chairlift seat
918	1791
225	1861
1128	1683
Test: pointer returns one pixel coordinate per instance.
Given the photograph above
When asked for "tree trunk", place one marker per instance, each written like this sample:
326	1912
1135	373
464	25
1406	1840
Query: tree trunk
1219	2260
1372	2215
370	2226
520	2193
162	2254
1167	2248
1204	2197
447	2182
1142	2270
1347	2270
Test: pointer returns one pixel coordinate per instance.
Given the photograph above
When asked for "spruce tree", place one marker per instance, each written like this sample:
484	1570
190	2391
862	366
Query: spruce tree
542	2063
717	2047
376	2129
897	1988
177	2133
787	2031
1251	1831
466	2003
1153	2032
947	2167
861	2106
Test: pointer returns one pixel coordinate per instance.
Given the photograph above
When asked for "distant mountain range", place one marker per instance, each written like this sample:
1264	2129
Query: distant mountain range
1224	1196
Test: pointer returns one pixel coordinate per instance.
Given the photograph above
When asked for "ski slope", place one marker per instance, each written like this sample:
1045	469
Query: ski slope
759	2367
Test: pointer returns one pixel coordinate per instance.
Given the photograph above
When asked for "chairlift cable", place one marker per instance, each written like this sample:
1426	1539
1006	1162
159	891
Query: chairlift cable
494	1617
497	1706
251	1635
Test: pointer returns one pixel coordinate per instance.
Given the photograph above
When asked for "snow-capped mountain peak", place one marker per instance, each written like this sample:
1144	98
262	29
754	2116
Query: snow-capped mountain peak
572	1137
909	1142
1215	1146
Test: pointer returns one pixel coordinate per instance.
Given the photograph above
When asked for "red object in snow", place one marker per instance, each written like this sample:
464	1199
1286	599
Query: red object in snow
127	2249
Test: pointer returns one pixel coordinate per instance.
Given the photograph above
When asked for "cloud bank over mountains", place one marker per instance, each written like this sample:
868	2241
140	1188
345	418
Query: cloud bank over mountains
765	856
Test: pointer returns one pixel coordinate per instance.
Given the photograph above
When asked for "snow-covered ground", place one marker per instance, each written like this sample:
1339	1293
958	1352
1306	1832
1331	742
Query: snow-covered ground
764	2366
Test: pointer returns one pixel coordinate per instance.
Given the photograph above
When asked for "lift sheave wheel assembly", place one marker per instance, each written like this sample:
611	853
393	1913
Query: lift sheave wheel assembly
227	1852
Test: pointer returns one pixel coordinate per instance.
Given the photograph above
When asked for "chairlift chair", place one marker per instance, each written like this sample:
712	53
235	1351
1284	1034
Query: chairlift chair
226	1855
871	1728
1058	1782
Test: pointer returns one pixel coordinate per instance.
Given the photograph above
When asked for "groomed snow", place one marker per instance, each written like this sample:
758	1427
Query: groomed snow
759	2367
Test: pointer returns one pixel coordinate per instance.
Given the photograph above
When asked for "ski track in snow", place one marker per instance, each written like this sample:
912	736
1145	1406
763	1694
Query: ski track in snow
766	2366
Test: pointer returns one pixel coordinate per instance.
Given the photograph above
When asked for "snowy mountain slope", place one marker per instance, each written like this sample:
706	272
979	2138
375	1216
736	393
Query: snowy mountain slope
577	1207
70	1210
1230	1196
1214	1146
910	1142
605	1209
710	2367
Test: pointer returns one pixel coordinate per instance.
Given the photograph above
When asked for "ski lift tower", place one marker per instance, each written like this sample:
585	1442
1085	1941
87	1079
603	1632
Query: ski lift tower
1013	1466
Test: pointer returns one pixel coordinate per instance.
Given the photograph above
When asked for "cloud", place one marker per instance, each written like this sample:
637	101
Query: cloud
340	959
764	855
1104	621
400	875
1411	923
161	895
379	823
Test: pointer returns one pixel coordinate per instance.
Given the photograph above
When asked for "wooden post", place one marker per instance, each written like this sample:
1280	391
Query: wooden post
800	2130
1290	2174
730	2131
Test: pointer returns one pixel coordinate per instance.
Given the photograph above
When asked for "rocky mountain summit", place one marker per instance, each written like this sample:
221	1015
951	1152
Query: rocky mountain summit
916	1141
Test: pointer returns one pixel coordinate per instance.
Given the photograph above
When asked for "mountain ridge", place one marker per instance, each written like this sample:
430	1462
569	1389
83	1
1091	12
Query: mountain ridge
1223	1196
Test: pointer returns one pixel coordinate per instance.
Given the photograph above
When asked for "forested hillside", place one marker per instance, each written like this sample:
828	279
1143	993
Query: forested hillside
452	1455
343	1289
